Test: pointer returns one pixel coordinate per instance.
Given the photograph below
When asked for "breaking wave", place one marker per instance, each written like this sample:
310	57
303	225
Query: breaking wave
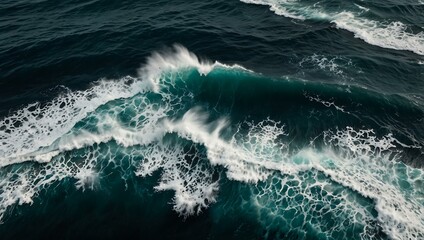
196	124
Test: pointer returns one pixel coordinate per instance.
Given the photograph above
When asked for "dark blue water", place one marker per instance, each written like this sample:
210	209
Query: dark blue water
253	119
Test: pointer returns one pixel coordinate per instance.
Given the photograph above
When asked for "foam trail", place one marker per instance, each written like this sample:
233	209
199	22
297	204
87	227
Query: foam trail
38	125
365	165
249	163
393	35
376	175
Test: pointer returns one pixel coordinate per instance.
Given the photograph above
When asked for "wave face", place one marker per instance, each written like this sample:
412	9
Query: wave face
355	18
295	159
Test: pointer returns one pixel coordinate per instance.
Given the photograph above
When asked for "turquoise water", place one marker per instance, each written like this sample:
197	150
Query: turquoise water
211	120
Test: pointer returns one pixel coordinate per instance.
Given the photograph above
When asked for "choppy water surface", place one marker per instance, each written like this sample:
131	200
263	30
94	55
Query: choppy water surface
268	119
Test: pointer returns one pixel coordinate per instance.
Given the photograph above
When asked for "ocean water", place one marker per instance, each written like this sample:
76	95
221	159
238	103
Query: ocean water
251	119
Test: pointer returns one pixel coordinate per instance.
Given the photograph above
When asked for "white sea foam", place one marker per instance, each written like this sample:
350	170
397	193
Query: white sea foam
393	35
283	9
38	125
355	165
367	164
192	180
43	132
86	178
357	160
248	161
362	7
176	60
335	65
325	103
